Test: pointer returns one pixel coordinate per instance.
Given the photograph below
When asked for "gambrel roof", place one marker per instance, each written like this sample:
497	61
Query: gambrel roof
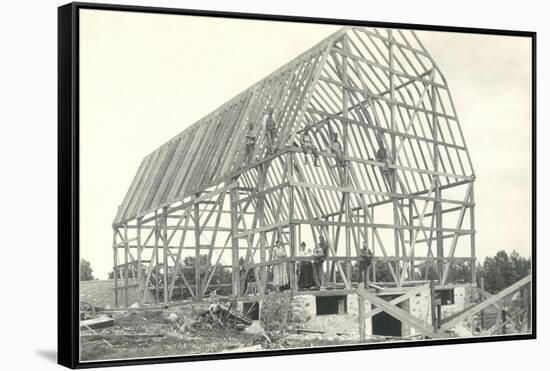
318	89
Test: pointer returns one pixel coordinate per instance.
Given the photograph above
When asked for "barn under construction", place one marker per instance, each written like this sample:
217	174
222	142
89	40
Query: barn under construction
356	141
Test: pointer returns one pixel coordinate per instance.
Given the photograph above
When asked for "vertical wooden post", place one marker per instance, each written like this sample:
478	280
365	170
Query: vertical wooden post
439	232
482	312
528	307
392	173
411	236
438	306
472	236
292	254
502	322
437	188
433	304
292	227
115	265
165	252
198	265
140	289
234	198
156	258
345	102
126	248
260	210
373	244
361	311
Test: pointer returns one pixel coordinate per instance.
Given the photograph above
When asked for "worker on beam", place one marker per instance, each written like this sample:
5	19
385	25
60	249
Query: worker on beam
320	253
250	142
381	155
365	260
336	148
270	130
308	147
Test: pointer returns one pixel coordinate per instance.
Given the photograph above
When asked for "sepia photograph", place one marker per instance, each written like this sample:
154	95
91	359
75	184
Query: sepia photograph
256	185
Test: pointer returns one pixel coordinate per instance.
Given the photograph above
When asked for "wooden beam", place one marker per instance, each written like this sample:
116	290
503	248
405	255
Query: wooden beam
409	294
234	198
400	314
198	266
484	304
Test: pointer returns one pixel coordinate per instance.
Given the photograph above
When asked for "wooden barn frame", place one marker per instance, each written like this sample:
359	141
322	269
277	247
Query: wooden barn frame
201	193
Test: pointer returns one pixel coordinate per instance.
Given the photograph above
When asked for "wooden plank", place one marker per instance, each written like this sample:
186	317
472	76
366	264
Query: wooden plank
361	314
234	244
409	294
400	314
194	201
198	266
328	115
455	239
99	322
487	302
380	226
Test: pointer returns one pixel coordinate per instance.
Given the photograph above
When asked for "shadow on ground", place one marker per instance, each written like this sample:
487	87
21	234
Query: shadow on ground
50	355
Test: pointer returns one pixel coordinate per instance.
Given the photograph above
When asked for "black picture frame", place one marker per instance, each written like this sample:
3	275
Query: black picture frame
69	193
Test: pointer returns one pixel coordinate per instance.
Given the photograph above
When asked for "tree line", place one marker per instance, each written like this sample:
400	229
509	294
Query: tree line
498	272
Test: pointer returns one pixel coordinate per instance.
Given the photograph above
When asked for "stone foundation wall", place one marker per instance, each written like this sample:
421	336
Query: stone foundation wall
303	313
420	306
343	325
303	308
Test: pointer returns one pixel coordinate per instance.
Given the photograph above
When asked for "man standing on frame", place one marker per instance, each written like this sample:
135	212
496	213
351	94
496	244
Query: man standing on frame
319	256
270	130
250	143
365	259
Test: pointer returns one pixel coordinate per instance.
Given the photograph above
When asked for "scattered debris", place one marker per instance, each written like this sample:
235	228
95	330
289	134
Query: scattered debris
223	316
255	329
461	331
99	322
172	318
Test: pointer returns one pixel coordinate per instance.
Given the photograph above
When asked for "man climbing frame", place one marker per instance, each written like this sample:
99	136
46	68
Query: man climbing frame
381	155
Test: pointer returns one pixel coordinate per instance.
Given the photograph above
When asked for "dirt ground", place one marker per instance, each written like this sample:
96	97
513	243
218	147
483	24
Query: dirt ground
182	331
190	329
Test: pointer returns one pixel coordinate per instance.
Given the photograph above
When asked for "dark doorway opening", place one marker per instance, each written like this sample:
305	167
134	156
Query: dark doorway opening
252	311
385	325
326	305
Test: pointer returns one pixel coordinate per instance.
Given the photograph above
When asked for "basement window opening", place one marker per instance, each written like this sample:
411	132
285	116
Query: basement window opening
327	305
252	311
447	297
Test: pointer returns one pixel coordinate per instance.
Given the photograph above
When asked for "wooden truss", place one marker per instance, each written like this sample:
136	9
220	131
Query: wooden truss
200	195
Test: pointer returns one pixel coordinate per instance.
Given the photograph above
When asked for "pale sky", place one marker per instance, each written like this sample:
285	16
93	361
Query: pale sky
146	77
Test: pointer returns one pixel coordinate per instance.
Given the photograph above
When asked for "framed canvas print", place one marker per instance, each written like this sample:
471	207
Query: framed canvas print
237	185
